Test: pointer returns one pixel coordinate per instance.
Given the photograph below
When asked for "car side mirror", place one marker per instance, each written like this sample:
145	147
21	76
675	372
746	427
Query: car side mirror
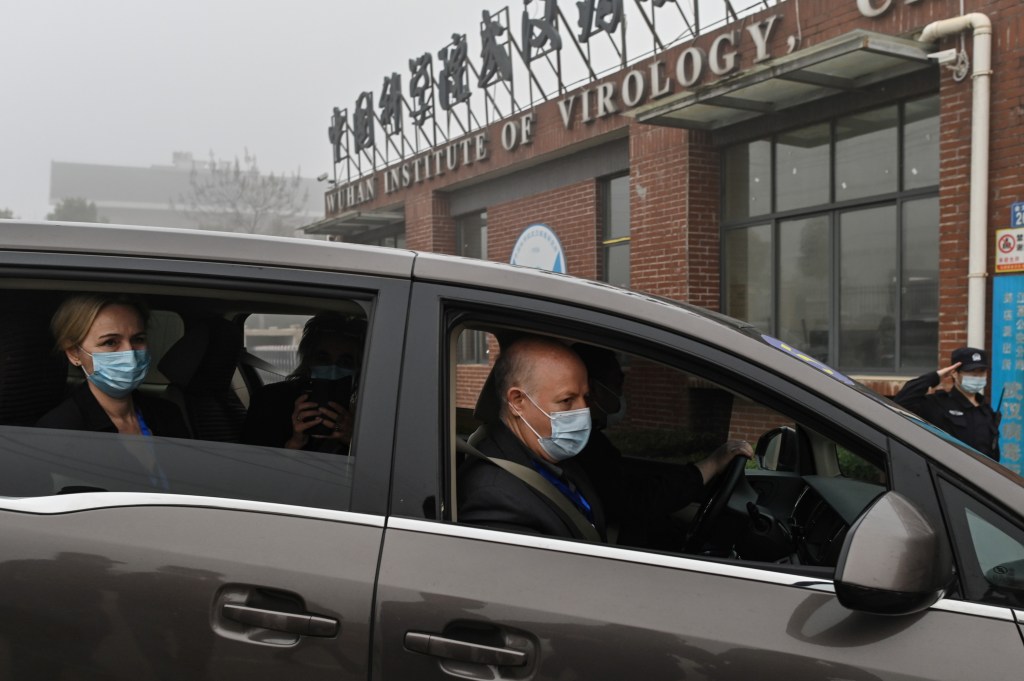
893	561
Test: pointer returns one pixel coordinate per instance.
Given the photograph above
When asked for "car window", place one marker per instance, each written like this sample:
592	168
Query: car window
990	548
854	466
653	415
218	402
274	338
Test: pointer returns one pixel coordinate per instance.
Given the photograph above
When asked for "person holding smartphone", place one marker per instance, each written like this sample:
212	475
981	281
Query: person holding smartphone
312	408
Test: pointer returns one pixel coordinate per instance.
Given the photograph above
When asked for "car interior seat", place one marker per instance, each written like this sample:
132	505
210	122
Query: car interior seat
33	375
200	367
486	410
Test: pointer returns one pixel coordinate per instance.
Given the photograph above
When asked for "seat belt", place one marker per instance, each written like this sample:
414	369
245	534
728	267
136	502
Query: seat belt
538	483
258	363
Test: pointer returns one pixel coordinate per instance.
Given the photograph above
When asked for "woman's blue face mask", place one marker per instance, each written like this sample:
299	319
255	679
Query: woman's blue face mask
117	374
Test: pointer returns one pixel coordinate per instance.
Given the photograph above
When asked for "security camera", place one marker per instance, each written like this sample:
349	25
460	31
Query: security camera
321	177
945	57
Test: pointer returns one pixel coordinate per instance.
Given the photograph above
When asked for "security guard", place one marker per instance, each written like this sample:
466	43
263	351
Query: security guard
963	411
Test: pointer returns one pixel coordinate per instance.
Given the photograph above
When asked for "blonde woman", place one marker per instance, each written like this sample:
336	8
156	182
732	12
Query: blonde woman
105	336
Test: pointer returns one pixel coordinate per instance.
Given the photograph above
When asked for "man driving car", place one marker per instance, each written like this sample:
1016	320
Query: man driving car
544	422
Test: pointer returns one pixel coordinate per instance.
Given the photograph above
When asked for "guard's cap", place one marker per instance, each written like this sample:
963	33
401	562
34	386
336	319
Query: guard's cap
970	359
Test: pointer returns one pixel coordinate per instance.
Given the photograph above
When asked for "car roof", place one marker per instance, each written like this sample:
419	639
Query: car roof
226	247
192	244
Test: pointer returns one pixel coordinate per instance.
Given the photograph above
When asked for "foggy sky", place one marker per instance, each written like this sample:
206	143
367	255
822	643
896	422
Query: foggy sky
129	82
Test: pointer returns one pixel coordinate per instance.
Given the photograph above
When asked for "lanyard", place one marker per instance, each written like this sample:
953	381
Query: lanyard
142	423
571	493
157	477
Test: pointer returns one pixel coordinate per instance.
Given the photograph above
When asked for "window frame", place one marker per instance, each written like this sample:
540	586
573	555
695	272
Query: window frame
429	425
606	242
473	347
957	498
833	210
385	334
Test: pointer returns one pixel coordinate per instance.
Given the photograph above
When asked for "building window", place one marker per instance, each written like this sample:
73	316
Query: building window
615	232
831	237
471	235
471	242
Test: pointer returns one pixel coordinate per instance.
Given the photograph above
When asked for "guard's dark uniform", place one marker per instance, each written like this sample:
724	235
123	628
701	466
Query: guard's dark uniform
977	426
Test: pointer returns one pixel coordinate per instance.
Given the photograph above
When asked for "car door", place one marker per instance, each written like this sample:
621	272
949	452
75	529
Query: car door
455	601
255	563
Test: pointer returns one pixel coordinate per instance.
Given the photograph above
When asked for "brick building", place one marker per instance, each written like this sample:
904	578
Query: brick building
807	167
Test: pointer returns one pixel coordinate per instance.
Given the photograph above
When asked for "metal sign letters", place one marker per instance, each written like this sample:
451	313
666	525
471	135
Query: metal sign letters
458	90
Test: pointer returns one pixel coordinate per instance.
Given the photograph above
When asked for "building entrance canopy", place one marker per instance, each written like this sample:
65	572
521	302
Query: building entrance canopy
848	63
354	222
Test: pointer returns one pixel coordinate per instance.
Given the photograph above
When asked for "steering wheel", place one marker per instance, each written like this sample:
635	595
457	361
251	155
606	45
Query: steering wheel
715	503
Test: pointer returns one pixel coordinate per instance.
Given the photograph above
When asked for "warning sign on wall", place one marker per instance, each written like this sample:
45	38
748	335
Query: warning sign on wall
1009	250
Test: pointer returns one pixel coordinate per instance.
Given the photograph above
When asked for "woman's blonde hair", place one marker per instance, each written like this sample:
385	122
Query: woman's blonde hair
73	319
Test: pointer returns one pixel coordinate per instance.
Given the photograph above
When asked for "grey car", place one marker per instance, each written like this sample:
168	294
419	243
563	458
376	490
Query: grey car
861	544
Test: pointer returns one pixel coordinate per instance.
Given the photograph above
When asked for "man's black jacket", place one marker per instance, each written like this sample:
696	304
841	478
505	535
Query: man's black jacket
491	497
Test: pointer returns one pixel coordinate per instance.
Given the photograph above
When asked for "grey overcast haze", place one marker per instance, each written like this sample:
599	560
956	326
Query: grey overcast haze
130	82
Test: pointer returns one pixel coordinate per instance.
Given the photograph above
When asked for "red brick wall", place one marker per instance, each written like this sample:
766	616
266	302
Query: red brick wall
658	204
468	382
657	398
570	211
429	225
674	174
750	421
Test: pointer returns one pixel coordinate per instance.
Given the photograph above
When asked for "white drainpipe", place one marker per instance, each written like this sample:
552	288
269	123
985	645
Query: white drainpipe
978	252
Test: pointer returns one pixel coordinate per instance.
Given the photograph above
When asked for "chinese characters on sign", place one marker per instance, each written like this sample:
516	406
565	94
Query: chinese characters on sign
1009	250
541	35
528	52
427	149
1008	364
1017	214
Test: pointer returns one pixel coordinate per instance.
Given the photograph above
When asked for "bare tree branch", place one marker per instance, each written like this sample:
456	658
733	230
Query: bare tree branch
233	196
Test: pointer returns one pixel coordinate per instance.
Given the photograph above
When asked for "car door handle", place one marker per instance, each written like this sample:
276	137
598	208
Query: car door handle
463	651
304	624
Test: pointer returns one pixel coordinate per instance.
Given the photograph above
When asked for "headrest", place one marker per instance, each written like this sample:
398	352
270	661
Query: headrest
206	355
487	409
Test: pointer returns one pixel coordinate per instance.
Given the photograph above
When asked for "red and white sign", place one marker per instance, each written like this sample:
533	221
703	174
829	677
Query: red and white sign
1009	250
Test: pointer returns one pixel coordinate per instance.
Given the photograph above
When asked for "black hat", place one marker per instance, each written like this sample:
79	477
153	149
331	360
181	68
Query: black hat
970	359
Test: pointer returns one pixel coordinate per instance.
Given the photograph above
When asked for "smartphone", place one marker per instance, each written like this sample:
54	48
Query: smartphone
322	391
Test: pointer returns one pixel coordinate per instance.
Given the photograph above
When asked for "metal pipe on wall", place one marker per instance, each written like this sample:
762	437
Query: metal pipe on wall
977	273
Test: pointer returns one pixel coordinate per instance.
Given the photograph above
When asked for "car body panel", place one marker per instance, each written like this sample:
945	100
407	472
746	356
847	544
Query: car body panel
585	611
129	592
140	584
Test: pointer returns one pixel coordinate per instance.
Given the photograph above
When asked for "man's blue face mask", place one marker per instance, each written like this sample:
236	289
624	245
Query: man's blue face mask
118	373
570	431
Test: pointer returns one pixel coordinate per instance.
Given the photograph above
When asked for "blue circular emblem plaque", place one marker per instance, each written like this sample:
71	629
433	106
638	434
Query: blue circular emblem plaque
538	247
